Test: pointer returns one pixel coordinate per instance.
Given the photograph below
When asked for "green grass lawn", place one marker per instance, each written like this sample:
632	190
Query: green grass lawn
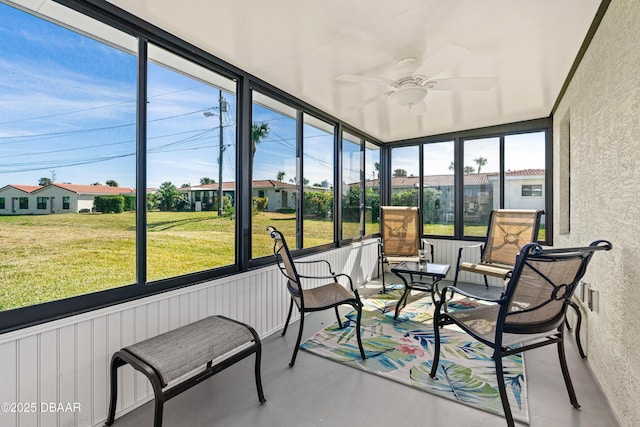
49	257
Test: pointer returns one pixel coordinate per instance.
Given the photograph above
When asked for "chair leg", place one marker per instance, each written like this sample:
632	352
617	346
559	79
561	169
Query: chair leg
338	317
565	374
436	339
295	350
503	390
384	288
358	333
286	324
578	324
486	282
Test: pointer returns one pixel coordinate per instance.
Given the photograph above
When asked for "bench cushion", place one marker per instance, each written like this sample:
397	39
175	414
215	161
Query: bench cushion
184	349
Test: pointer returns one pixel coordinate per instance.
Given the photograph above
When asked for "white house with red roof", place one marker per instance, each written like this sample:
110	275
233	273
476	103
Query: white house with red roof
280	194
16	199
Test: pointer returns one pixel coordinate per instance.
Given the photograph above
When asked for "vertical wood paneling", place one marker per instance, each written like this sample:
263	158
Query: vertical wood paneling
114	344
100	367
48	365
67	351
127	332
141	334
9	389
28	375
84	375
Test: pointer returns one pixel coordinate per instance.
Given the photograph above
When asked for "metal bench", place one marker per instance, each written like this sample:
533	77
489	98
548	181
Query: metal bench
172	355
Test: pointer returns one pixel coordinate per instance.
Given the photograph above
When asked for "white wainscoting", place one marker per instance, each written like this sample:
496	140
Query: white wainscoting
67	361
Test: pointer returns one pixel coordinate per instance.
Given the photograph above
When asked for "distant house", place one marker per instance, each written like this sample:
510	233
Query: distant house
523	189
281	195
53	198
15	199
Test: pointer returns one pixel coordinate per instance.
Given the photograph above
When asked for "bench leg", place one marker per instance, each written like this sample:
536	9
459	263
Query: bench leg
257	372
116	362
157	417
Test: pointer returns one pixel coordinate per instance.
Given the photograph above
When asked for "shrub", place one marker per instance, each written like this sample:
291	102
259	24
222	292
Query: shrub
260	203
109	204
129	202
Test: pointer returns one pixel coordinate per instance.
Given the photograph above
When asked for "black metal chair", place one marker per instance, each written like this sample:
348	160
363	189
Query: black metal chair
508	232
530	314
326	296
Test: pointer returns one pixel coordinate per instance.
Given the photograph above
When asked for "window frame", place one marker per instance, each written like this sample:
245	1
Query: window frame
501	131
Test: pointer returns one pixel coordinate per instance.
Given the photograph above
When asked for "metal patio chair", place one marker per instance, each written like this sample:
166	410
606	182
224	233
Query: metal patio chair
400	237
530	314
508	232
330	295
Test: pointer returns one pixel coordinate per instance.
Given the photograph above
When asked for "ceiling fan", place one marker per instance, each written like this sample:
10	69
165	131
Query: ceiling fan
412	80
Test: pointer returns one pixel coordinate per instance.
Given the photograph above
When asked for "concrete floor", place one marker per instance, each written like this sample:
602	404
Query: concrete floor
319	392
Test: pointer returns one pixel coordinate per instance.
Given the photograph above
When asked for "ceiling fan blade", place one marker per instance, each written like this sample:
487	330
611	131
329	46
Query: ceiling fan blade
442	59
418	109
353	78
462	83
366	102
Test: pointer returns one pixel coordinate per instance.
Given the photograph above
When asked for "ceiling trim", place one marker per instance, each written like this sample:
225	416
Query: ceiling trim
595	24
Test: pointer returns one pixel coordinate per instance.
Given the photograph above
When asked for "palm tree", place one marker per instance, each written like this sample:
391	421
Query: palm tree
480	161
111	183
280	175
469	169
259	130
44	181
452	166
206	180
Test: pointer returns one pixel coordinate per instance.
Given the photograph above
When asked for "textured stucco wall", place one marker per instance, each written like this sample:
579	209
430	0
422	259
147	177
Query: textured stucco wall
602	110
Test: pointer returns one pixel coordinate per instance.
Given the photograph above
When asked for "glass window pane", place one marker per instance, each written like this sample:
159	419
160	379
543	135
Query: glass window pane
438	189
68	140
481	183
524	177
190	147
318	164
351	181
372	188
405	176
275	173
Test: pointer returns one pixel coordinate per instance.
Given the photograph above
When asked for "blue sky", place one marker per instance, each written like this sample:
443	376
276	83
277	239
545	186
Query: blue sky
69	112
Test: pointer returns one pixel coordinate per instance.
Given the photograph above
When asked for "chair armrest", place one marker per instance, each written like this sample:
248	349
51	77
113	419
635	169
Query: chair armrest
456	290
424	243
461	248
315	262
333	276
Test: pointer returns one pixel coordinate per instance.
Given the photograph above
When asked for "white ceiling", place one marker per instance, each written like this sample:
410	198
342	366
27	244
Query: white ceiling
303	46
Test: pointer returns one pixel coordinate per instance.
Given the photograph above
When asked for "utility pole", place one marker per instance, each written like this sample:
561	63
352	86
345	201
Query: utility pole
223	107
222	103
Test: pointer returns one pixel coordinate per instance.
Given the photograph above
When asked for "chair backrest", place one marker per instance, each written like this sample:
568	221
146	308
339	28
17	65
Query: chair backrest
400	230
509	231
541	287
285	263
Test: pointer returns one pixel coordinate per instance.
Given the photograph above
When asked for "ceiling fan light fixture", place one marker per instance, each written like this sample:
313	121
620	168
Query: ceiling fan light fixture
408	96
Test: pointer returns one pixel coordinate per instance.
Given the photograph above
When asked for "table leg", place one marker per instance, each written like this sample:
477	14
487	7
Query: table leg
404	296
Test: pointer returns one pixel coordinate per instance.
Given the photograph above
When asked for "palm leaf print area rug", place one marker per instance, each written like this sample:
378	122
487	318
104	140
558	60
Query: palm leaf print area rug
402	351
